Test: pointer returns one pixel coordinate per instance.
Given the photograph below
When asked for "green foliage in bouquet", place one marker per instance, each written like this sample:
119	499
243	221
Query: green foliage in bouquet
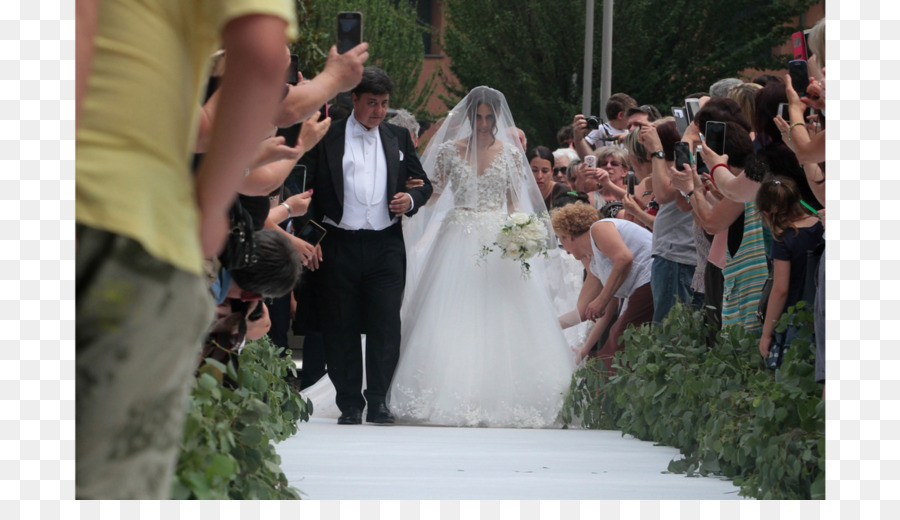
228	451
720	406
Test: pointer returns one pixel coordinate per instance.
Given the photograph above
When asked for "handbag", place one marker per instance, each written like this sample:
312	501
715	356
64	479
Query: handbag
240	248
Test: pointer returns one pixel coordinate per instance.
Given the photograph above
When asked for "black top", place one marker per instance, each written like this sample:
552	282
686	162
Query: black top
793	247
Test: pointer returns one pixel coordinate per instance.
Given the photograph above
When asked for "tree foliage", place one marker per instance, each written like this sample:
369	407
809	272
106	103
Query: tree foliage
514	47
395	43
662	49
665	50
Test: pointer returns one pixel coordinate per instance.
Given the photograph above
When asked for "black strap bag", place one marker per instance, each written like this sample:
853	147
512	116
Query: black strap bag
240	248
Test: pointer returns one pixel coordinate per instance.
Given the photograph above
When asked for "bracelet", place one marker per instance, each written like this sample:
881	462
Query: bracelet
688	196
723	165
790	129
288	208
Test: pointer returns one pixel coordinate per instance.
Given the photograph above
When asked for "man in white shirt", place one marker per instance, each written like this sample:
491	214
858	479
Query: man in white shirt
359	171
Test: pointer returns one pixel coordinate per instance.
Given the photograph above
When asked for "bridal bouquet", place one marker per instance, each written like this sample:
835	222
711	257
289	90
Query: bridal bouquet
520	238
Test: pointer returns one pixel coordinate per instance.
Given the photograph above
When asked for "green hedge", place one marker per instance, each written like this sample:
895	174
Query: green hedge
228	451
720	406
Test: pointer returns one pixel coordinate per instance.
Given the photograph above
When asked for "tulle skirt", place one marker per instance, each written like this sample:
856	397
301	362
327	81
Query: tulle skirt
481	344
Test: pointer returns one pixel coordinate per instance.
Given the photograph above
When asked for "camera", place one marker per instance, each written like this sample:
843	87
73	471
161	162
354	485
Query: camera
593	122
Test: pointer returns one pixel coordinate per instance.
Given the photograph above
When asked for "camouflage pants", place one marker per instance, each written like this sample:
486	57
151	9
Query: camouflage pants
139	326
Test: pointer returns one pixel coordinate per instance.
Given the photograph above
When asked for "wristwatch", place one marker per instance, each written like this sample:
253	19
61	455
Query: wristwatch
659	154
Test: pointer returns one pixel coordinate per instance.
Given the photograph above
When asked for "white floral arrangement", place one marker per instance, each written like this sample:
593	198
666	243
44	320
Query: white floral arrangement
521	237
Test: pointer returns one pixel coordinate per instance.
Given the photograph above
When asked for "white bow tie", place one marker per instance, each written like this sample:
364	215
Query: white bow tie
360	131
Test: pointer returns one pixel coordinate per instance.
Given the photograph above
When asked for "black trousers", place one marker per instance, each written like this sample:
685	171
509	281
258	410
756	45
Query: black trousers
360	288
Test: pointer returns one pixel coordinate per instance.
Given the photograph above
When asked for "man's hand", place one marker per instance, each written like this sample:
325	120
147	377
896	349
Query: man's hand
258	328
400	204
346	69
579	127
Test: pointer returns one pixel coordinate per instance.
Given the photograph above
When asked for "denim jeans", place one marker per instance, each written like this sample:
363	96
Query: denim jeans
669	280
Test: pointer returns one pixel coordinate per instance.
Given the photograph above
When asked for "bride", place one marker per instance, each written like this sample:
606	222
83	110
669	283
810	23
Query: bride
481	344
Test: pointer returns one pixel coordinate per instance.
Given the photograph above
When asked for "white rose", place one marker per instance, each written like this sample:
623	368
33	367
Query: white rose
518	218
513	250
535	232
531	248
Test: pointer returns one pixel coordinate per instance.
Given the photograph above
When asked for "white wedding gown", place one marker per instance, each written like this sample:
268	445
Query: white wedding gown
481	345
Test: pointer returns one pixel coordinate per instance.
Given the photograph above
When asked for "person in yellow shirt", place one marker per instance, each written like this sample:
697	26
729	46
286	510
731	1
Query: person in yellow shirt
144	224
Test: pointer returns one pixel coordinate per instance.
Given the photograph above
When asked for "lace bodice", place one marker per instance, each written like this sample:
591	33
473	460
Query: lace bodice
486	191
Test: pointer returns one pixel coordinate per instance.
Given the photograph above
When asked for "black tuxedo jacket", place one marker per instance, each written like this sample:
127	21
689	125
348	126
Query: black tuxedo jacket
324	165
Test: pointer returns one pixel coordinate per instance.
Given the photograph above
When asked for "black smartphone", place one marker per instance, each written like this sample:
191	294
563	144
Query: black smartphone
312	232
293	76
349	30
799	76
715	136
701	166
630	182
683	155
291	134
681	119
257	311
692	105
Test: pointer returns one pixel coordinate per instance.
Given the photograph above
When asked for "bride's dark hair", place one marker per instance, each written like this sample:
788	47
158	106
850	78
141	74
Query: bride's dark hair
484	96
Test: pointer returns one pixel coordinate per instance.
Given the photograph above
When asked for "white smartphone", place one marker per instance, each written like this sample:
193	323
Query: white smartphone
783	111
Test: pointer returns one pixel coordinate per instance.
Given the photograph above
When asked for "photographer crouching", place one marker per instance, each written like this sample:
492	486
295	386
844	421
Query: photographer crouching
241	314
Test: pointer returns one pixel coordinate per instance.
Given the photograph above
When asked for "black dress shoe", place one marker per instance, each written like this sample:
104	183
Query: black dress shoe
351	416
379	414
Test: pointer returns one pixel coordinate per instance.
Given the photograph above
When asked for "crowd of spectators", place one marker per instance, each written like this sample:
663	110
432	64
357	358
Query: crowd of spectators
726	226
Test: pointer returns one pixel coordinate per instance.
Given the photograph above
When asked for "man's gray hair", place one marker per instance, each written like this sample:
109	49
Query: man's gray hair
405	119
721	87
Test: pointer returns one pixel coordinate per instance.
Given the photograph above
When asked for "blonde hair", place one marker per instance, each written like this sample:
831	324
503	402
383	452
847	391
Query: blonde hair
817	42
573	219
745	96
634	145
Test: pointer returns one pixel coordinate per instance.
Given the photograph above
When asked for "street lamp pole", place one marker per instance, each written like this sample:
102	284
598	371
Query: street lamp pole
588	58
606	54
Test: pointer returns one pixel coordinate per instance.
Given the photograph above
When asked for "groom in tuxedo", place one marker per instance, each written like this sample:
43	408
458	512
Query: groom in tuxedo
360	169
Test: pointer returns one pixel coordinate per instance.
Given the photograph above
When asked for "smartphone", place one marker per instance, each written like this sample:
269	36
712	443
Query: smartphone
590	161
799	76
683	155
692	105
312	232
798	41
715	136
303	188
293	74
349	30
291	134
701	166
783	111
681	120
630	181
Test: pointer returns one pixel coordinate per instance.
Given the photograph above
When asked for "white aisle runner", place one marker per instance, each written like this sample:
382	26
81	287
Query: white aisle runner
327	461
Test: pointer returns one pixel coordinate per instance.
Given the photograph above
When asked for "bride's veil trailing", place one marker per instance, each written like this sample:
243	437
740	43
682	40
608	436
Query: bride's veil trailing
458	131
